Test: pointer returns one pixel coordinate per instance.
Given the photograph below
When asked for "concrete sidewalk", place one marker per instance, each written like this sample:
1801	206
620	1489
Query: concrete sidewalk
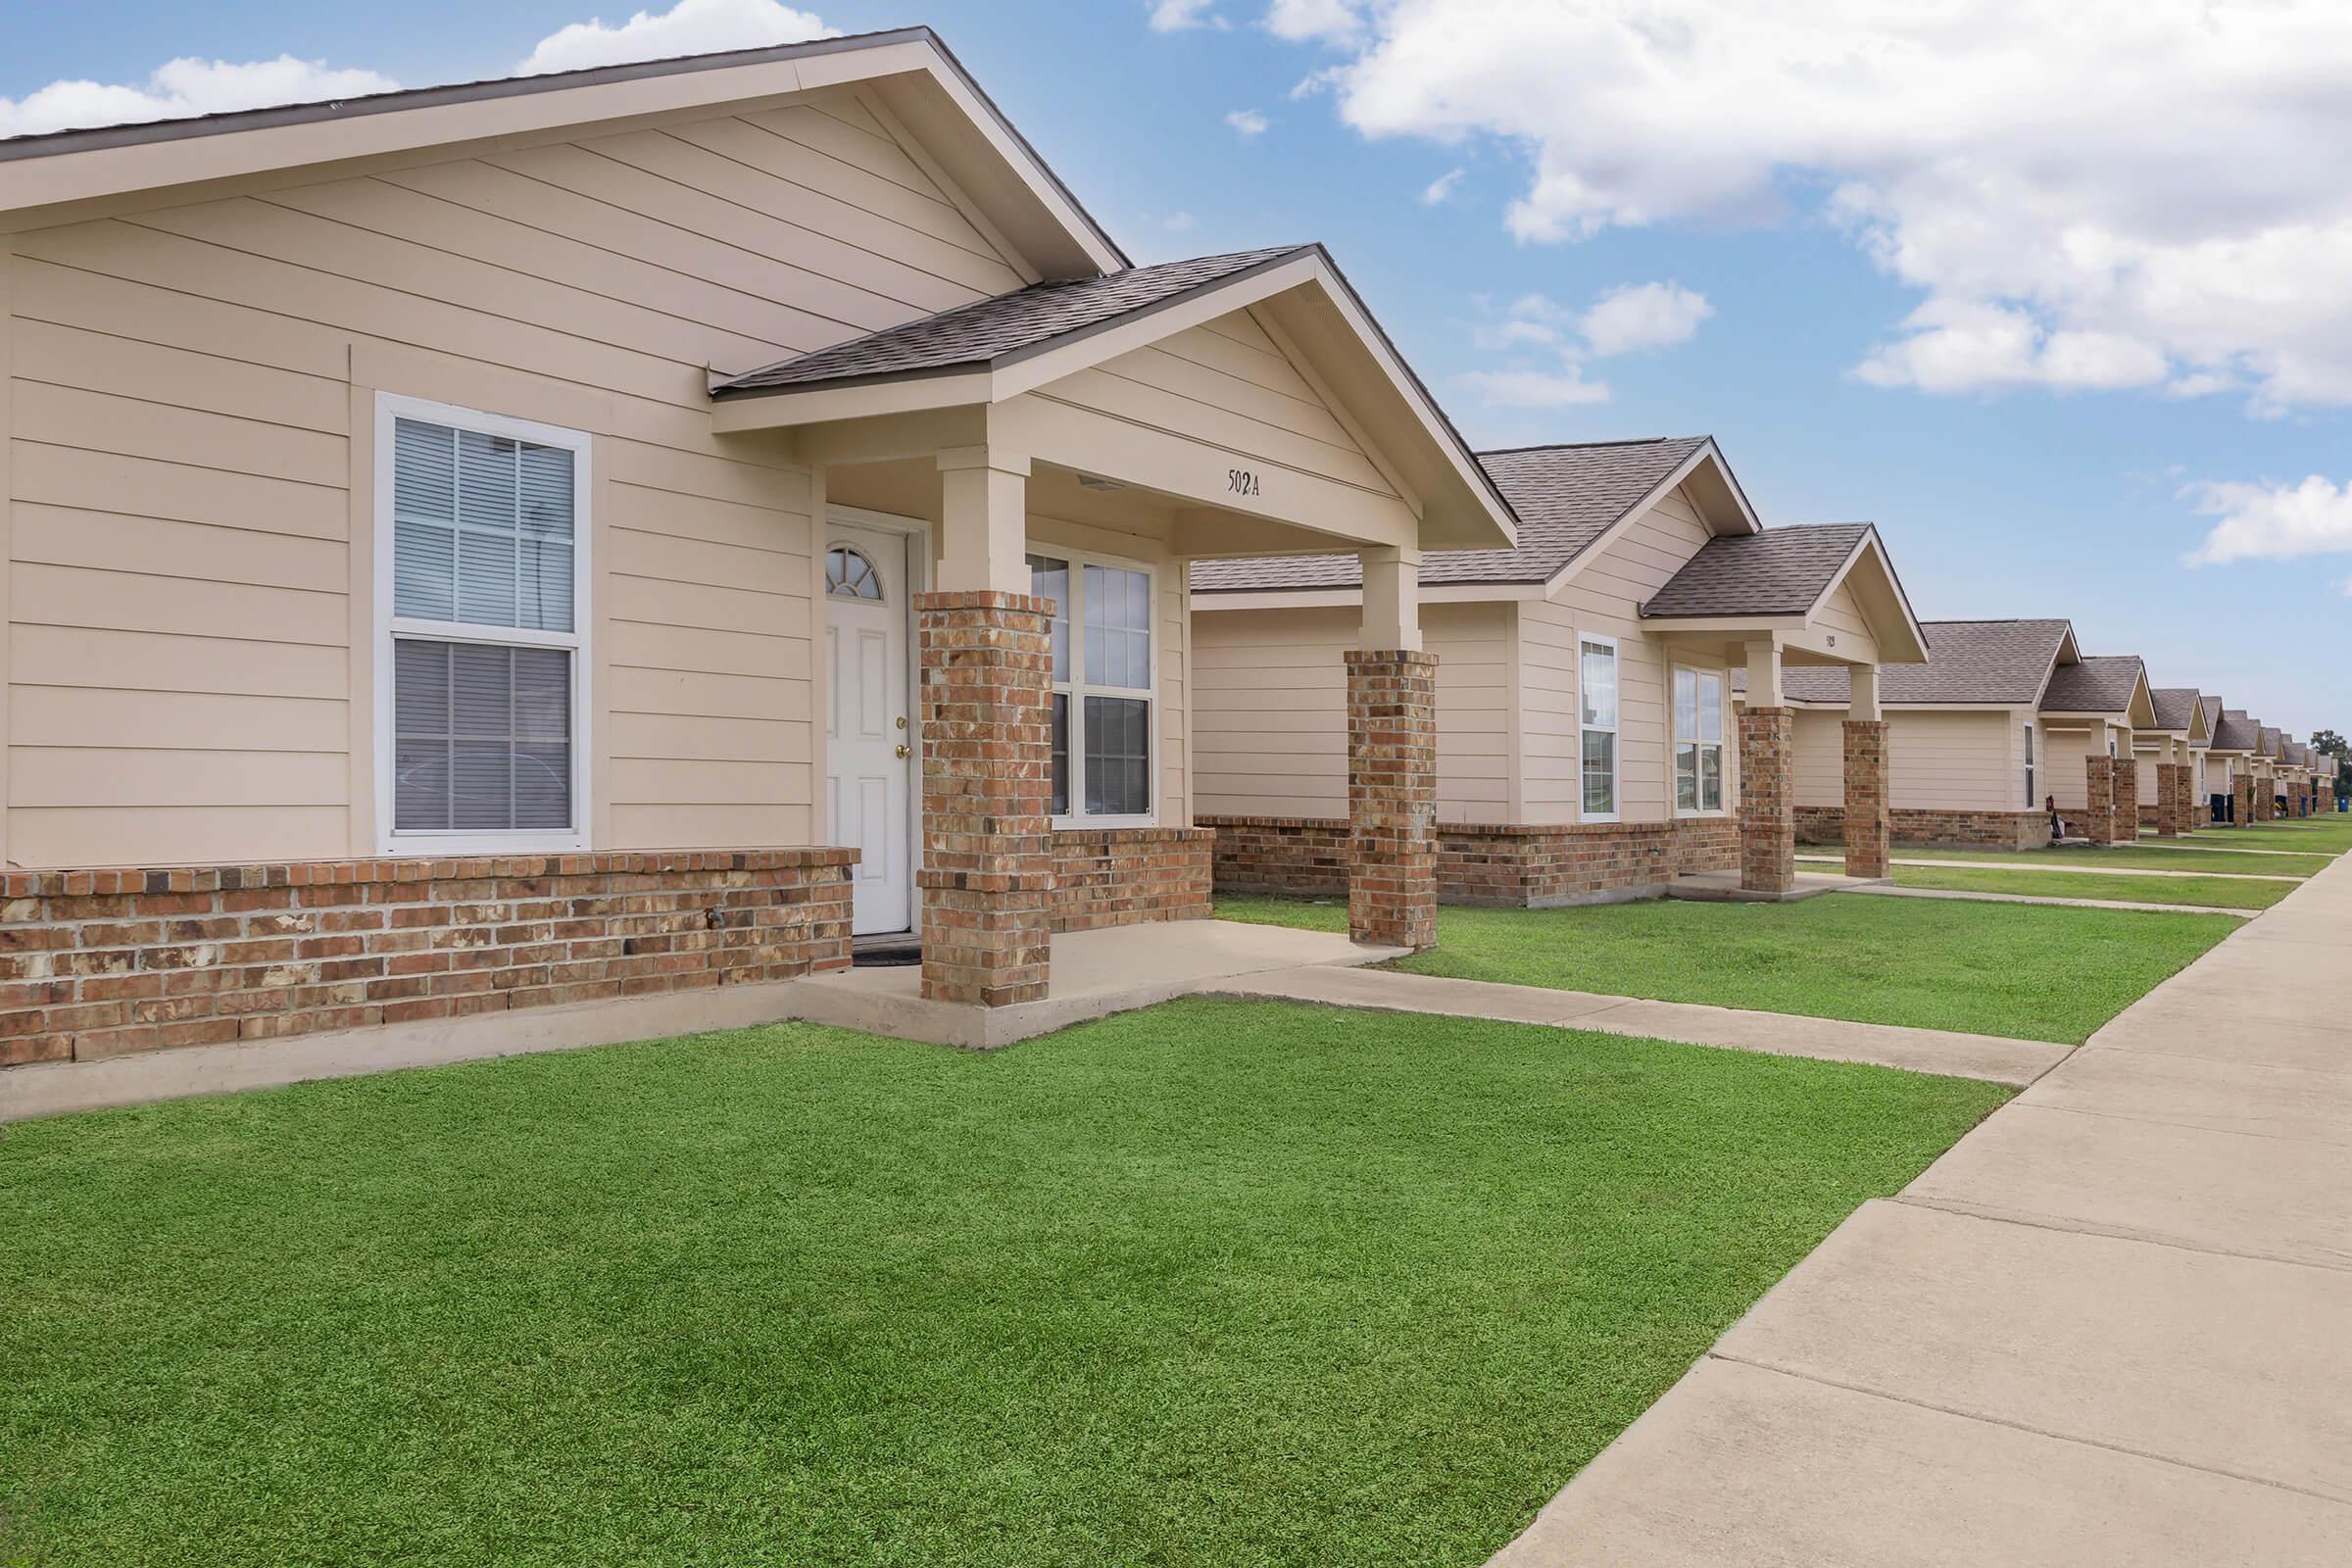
2113	1325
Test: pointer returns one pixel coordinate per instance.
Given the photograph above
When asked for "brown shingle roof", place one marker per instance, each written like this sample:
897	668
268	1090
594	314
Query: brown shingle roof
1968	662
1005	328
2176	706
1781	571
2212	722
1566	498
2270	741
2235	731
2101	685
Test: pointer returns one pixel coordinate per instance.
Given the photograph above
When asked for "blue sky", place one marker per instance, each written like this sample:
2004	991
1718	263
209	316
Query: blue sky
2060	478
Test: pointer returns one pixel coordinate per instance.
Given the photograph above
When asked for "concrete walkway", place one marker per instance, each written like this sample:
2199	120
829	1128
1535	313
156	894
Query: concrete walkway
1960	1055
1889	890
2112	1325
2069	870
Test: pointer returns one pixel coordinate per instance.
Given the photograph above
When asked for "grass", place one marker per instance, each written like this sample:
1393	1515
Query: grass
2136	857
2330	836
2025	971
2214	892
1217	1283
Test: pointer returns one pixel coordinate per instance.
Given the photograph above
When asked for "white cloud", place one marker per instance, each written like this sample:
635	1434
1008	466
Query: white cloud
2108	193
2273	521
1645	316
182	87
1534	389
1442	187
1174	16
689	27
1327	20
1247	122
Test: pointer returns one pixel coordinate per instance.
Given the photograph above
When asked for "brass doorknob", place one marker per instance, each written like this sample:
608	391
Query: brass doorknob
905	751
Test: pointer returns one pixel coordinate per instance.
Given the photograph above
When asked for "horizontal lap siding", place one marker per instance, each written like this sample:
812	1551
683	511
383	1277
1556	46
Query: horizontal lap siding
181	659
1270	711
2068	752
1934	762
1605	598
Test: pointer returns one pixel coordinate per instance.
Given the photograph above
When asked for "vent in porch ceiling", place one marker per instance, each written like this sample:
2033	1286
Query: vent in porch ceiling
1095	481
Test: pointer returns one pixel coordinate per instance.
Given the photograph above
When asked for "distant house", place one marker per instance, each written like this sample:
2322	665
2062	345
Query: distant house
1587	747
2089	714
2226	760
2167	754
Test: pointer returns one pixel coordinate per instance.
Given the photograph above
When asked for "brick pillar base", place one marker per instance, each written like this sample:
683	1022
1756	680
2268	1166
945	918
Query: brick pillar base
1869	837
988	867
2243	786
2192	810
2098	809
2126	802
2167	800
2266	800
1393	798
1767	800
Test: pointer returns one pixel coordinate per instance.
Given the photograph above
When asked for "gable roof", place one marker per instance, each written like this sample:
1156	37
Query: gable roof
1972	662
925	85
1566	498
1781	571
2236	731
2104	684
2295	754
2271	741
2176	706
1003	330
2213	723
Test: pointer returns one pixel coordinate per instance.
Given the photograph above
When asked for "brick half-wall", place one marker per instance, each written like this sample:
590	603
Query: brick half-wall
1518	866
102	963
1129	875
1916	825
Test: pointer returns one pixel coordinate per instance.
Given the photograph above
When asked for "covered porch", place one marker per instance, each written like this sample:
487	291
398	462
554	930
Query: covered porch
1012	493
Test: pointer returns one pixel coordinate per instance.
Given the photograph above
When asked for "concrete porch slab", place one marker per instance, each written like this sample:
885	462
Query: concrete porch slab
1094	974
1723	887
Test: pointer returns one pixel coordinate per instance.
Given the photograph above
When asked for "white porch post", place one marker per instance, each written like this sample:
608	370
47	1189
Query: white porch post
1392	761
987	742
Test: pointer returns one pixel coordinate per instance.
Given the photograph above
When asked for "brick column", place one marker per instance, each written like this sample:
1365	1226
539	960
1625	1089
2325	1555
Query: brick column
1767	800
988	867
2167	800
2098	810
1392	796
2126	801
2266	798
1868	832
2242	785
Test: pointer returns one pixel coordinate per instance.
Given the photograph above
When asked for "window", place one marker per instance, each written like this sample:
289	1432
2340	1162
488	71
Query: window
2032	800
1102	694
1698	740
850	575
1596	684
482	569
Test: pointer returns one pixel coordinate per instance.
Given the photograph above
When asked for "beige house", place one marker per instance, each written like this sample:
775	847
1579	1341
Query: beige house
2230	762
2168	755
1969	760
2089	714
1588	748
652	520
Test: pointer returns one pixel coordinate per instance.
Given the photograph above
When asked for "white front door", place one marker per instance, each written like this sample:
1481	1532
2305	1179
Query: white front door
869	738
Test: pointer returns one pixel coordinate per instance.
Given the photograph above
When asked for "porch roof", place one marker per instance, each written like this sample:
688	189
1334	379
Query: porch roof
2180	710
2237	733
2110	686
1781	579
1969	662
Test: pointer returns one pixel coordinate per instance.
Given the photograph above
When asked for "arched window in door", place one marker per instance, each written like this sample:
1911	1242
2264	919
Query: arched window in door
850	575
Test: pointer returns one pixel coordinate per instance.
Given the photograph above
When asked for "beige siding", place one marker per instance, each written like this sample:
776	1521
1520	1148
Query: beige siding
1841	617
1605	598
1955	762
1228	384
2068	752
1271	712
188	467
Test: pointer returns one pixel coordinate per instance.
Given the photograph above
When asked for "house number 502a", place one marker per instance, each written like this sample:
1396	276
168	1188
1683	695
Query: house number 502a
1241	482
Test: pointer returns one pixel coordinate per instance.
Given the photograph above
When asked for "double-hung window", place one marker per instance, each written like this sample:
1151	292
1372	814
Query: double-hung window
1596	689
2032	800
481	571
1698	740
1102	691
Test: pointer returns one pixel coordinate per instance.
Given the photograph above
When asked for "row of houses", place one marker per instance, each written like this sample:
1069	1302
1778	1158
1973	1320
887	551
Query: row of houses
608	535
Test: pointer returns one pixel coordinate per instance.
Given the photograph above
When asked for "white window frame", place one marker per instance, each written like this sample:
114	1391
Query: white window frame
2031	804
1616	810
1675	742
1077	688
390	628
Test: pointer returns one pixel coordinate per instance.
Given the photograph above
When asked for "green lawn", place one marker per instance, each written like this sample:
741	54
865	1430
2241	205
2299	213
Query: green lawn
2135	857
2026	971
2216	892
2329	836
1217	1283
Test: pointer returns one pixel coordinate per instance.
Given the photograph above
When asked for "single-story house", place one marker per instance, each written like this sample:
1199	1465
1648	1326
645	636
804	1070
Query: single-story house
1587	747
1968	764
2231	765
2271	776
2294	777
2217	766
611	533
2089	714
2167	754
